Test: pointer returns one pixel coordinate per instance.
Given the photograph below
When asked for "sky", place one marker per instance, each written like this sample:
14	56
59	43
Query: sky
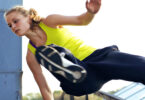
119	22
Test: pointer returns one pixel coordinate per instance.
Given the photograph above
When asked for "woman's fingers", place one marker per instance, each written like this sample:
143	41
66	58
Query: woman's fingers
93	5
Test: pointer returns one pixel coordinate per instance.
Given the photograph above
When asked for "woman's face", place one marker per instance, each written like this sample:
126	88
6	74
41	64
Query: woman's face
18	23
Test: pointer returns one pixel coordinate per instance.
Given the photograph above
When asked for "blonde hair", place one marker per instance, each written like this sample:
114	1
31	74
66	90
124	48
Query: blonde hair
31	12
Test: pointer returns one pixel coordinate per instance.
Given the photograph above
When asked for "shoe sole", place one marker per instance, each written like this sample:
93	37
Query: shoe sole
73	73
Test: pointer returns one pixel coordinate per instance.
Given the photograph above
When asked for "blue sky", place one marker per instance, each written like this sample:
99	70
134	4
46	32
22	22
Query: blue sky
119	22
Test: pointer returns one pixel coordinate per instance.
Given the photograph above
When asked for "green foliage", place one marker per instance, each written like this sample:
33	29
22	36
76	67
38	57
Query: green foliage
58	96
32	96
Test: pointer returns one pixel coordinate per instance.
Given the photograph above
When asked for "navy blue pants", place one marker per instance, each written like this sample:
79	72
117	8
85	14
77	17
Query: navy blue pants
102	66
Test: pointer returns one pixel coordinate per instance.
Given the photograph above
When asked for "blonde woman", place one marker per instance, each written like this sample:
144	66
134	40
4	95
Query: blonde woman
101	65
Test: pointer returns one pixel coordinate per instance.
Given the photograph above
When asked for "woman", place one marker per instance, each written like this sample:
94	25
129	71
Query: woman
102	65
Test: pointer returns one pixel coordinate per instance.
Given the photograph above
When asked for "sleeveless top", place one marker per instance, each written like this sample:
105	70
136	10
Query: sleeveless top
63	38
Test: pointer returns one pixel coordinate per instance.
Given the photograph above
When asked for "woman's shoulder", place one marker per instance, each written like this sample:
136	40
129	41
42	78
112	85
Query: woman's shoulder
47	22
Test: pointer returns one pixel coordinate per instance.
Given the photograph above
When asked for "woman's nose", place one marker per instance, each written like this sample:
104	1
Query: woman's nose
13	26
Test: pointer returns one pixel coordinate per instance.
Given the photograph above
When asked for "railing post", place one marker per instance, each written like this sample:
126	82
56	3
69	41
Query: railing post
87	97
71	97
62	96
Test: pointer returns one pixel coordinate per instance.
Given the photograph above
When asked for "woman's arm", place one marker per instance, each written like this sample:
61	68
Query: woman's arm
84	19
39	77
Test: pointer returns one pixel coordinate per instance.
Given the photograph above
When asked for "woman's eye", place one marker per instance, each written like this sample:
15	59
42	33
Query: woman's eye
10	26
15	21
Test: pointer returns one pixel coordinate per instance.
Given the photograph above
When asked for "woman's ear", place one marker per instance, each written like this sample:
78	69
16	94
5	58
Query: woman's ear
29	19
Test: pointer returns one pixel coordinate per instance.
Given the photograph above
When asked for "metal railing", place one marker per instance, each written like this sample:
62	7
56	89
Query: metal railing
107	96
72	97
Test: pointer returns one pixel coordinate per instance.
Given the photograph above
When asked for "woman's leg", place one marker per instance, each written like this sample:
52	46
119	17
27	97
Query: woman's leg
60	63
118	65
89	83
127	66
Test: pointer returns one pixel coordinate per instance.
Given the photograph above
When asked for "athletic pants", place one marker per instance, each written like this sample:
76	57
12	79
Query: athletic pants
102	66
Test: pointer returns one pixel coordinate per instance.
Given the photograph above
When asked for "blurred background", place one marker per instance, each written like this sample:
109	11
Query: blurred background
119	22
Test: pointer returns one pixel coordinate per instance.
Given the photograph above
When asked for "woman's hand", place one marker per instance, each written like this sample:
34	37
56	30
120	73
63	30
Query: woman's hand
93	6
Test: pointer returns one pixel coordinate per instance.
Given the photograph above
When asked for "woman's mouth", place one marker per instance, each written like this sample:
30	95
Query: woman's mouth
16	31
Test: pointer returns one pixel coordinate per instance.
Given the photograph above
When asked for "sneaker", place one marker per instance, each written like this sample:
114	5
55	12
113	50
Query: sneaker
52	60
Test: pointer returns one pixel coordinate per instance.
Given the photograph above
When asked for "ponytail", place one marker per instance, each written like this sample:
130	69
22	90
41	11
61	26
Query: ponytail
34	15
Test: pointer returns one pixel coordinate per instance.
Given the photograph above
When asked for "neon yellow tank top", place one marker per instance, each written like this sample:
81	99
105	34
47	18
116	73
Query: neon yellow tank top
62	37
